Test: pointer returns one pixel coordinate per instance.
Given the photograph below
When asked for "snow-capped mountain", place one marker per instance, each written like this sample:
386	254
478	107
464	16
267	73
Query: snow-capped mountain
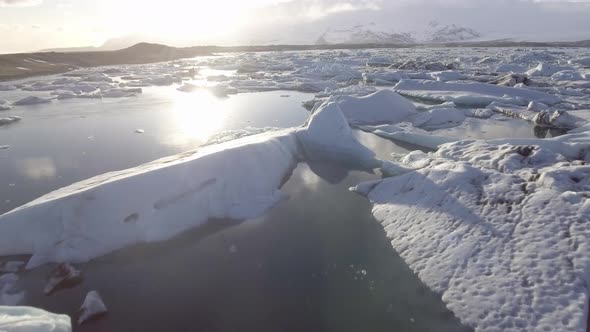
372	34
439	33
364	34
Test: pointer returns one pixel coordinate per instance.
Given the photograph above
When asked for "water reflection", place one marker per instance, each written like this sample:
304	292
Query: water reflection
37	168
198	115
315	262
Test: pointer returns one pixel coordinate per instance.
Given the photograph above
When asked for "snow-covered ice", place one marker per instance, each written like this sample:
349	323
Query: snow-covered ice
498	228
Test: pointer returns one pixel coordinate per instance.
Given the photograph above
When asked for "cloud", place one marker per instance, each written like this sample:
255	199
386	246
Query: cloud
19	3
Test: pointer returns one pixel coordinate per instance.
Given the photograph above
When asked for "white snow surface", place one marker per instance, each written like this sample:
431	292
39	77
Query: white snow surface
498	228
27	319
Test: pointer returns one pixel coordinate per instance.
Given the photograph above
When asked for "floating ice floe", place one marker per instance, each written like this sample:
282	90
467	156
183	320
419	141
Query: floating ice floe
73	223
92	308
384	106
4	105
7	87
32	100
8	294
539	114
546	69
9	120
581	61
406	132
27	319
498	228
513	79
471	94
510	68
63	276
11	266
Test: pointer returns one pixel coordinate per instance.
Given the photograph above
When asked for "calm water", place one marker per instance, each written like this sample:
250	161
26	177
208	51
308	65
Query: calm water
316	262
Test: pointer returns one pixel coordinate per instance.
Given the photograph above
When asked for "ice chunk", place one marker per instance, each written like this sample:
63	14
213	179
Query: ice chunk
513	79
510	68
546	69
498	230
27	319
581	61
567	75
328	136
32	100
9	120
448	75
11	266
7	87
187	87
92	308
8	295
4	106
384	106
139	131
407	133
471	94
63	276
539	114
114	210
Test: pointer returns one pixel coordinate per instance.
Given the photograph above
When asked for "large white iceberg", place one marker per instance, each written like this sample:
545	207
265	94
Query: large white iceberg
152	202
238	179
498	228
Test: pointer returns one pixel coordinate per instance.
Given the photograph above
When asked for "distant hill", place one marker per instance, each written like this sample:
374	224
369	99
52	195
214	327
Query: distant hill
15	66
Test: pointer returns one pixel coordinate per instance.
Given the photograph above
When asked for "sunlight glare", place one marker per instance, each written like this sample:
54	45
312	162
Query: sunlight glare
199	115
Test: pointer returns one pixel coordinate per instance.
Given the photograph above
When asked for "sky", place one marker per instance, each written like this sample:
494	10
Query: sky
30	25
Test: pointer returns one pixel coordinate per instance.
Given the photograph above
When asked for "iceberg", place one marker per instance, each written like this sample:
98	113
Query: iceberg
32	100
4	106
9	120
471	94
497	228
152	202
384	106
238	179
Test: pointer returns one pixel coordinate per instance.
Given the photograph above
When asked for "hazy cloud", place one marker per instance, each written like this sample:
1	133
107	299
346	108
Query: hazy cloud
19	3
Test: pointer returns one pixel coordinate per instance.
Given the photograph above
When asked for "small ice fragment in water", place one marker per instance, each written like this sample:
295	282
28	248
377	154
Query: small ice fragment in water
11	267
139	131
92	308
64	276
4	147
233	249
32	100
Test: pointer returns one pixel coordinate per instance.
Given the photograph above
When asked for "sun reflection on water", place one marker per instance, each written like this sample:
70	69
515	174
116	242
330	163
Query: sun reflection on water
199	115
